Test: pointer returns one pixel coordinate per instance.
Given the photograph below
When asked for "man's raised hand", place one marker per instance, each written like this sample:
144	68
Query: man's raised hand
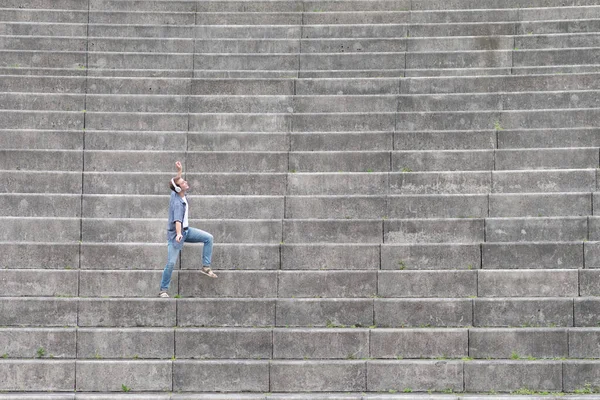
178	165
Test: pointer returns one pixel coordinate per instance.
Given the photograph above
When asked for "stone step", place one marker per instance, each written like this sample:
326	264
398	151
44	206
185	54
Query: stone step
427	284
142	18
458	71
523	159
367	86
393	183
137	121
338	183
343	122
529	283
149	6
328	231
548	181
350	73
491	84
458	43
336	161
465	230
39	311
30	255
216	183
43	59
313	376
249	18
344	103
499	101
29	282
298	343
446	140
25	140
323	6
15	69
55	43
143	31
536	229
308	256
241	86
538	205
127	72
430	256
499	120
469	4
550	57
175	104
52	120
304	104
241	104
145	256
237	45
276	17
348	31
153	230
140	86
490	28
308	284
565	137
136	140
45	4
445	160
253	7
423	312
414	17
540	255
239	141
103	161
353	45
555	70
523	342
122	206
393	30
41	160
398	206
463	59
44	15
40	205
43	84
262	31
560	13
276	123
140	45
99	61
42	101
120	161
583	25
329	256
142	61
531	312
555	41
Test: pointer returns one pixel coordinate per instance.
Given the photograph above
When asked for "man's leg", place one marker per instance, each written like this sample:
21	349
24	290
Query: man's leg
172	255
198	236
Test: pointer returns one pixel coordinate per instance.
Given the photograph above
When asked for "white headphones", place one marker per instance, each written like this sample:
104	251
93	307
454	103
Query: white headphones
177	188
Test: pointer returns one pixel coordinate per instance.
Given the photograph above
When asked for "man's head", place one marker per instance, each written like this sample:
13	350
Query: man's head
179	183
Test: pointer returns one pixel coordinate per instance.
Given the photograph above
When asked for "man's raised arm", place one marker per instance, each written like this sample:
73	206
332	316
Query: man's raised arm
179	169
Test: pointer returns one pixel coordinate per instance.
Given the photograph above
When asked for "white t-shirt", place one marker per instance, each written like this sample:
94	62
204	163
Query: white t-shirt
185	224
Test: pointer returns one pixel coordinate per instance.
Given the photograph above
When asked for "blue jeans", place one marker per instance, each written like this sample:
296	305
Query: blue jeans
191	235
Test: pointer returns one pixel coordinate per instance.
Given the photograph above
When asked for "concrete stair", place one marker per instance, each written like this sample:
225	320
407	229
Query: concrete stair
403	195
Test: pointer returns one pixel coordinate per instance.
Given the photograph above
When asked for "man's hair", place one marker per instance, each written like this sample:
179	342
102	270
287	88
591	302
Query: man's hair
171	183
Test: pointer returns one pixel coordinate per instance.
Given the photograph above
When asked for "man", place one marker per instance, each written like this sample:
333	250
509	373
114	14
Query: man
179	232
